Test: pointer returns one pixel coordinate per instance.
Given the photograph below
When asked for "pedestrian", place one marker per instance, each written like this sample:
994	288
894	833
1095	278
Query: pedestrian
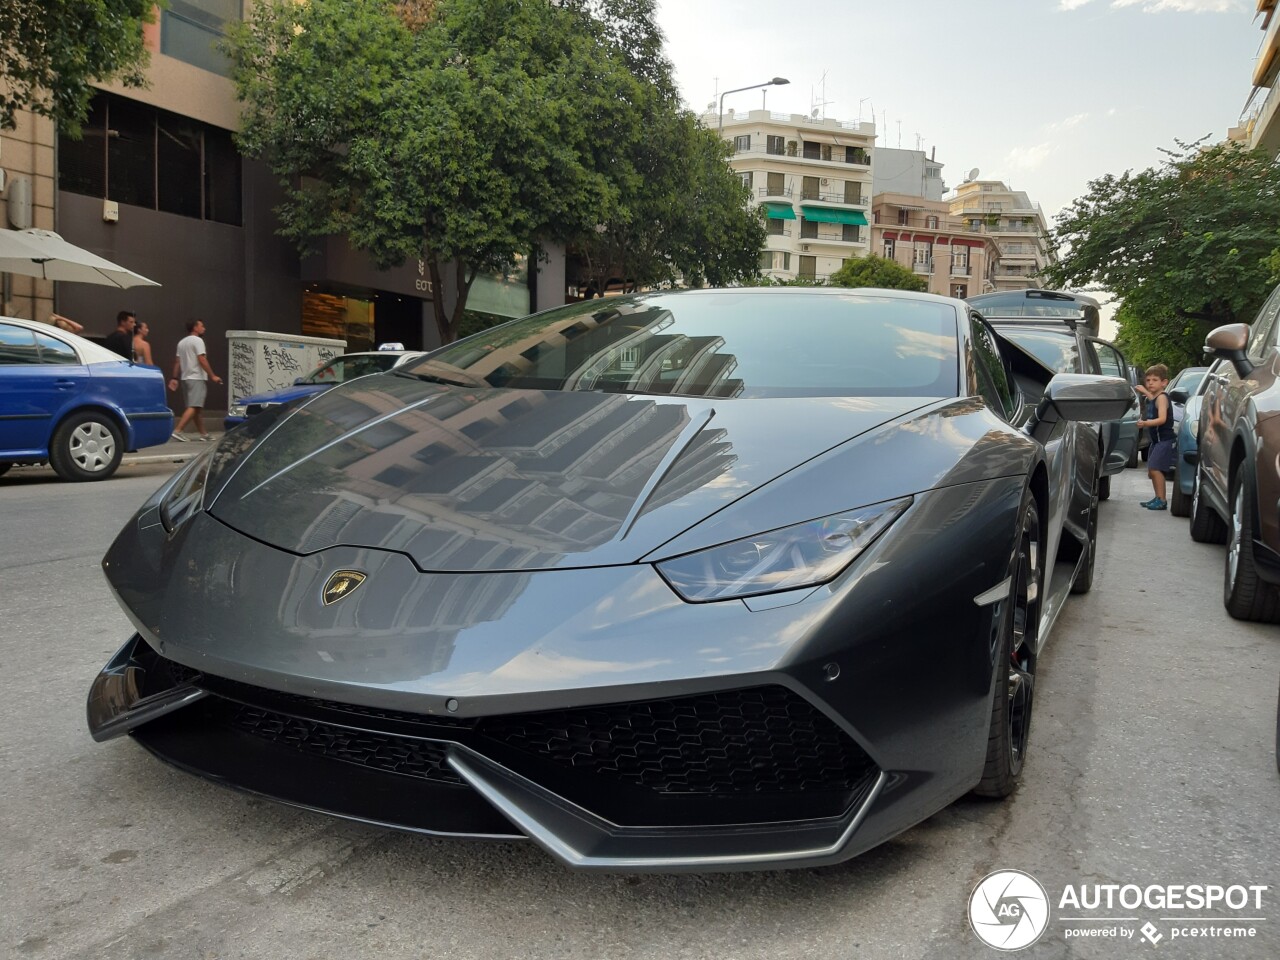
141	349
1158	418
192	366
121	339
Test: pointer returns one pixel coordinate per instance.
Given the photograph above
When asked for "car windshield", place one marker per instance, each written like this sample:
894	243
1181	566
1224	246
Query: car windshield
341	369
1188	380
1057	351
726	343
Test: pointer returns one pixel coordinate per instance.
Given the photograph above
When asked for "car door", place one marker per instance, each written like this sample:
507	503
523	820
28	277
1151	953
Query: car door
32	393
1227	397
1121	436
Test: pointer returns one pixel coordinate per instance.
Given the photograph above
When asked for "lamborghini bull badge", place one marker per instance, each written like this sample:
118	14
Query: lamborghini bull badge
342	583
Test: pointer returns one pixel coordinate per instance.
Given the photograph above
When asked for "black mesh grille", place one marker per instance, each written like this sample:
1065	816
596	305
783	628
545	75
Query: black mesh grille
403	755
766	740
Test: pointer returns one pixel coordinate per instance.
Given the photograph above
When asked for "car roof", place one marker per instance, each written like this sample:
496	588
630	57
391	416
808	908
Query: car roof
89	351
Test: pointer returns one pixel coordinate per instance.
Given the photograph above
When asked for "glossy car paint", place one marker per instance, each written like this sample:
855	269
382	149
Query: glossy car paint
476	610
36	398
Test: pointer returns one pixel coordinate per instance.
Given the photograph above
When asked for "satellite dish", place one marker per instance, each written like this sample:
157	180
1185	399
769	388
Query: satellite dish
813	114
973	175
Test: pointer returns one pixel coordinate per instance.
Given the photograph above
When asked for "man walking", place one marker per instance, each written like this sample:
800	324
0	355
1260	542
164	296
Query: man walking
121	340
192	365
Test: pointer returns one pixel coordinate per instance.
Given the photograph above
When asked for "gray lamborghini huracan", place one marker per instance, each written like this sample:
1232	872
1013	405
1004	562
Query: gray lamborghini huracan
676	581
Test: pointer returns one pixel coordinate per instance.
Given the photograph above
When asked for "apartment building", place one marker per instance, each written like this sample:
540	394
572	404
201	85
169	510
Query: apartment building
157	185
911	172
923	236
1016	224
1260	124
813	178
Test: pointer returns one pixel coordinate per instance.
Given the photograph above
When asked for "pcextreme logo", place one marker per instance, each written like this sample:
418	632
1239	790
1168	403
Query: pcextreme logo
1009	910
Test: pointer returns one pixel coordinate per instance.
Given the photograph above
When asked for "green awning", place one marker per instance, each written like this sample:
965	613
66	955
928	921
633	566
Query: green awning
778	210
833	215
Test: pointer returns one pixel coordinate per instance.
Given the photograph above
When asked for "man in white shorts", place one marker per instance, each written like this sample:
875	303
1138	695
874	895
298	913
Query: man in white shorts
192	366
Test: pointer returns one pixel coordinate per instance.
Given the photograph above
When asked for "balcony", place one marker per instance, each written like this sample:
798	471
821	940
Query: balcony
923	266
834	196
784	232
791	153
780	192
960	270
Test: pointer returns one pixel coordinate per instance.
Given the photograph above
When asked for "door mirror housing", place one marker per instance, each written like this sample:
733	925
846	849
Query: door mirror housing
1082	397
1230	342
299	381
1178	396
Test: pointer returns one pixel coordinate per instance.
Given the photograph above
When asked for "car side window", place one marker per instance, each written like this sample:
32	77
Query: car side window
53	350
17	346
993	378
1262	330
1110	362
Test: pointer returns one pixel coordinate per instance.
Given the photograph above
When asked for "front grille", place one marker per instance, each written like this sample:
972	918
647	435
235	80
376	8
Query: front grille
765	740
414	758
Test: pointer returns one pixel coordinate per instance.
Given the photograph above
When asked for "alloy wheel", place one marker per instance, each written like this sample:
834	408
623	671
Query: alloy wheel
1237	536
1022	665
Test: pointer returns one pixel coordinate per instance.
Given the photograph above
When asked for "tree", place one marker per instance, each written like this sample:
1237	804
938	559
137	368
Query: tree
1186	245
53	51
873	271
462	132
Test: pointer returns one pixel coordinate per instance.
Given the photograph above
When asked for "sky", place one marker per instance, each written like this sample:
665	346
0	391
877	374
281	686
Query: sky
1044	94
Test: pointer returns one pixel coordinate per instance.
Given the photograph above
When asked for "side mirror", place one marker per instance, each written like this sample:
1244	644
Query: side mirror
1230	342
1178	396
298	381
1082	397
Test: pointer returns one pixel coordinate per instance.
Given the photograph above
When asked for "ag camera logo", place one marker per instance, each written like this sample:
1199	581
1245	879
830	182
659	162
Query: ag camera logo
1009	910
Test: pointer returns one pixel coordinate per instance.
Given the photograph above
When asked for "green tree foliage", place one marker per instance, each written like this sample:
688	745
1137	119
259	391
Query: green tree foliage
52	51
873	271
1187	246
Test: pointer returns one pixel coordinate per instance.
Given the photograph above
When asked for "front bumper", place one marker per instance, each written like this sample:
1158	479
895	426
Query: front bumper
589	710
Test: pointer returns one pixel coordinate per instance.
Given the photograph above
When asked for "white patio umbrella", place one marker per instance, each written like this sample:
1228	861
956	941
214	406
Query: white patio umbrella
44	254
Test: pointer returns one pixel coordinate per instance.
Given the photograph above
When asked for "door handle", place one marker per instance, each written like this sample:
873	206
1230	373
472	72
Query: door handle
63	384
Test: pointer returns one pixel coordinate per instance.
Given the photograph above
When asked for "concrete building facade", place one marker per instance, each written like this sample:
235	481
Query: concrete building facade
1260	124
906	172
1016	224
813	178
924	237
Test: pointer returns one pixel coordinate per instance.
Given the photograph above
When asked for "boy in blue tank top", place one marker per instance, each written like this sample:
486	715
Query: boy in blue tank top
1158	418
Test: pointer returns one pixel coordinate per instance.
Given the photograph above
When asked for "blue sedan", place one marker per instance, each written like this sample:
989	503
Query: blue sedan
77	405
340	369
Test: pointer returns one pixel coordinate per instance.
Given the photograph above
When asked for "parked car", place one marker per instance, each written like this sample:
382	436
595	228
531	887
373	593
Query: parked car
1188	395
340	369
640	579
1060	330
68	401
1237	489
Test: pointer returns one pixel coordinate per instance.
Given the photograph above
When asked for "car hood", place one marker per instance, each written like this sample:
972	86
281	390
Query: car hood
463	479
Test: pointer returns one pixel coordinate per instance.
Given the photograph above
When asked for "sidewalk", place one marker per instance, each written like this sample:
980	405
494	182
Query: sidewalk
175	451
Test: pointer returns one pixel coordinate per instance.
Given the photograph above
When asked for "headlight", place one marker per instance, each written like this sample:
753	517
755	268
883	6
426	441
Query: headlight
798	556
236	410
186	496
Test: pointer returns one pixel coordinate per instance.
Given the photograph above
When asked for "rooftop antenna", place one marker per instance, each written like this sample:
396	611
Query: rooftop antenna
899	122
820	103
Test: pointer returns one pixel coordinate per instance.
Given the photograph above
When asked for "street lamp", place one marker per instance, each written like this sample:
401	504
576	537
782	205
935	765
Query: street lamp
775	82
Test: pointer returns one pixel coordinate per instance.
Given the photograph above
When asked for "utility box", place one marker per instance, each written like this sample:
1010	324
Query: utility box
259	361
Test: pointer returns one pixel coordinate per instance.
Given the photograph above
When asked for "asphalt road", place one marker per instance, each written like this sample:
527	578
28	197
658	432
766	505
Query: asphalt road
1152	762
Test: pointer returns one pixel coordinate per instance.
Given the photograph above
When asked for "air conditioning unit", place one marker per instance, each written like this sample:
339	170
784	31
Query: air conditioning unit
824	181
804	248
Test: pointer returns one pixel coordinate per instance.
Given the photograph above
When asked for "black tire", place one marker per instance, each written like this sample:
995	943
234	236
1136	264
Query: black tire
1083	581
1104	488
86	446
1206	525
1179	502
4	468
1133	458
1146	453
1246	595
1015	663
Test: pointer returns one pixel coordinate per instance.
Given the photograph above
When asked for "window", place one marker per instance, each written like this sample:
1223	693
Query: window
17	346
857	155
190	31
931	223
786	261
135	154
888	249
812	150
853	191
1110	362
746	178
826	151
775	228
53	350
959	256
808	229
809	188
851	232
742	144
904	217
775	145
766	260
777	184
992	377
808	267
